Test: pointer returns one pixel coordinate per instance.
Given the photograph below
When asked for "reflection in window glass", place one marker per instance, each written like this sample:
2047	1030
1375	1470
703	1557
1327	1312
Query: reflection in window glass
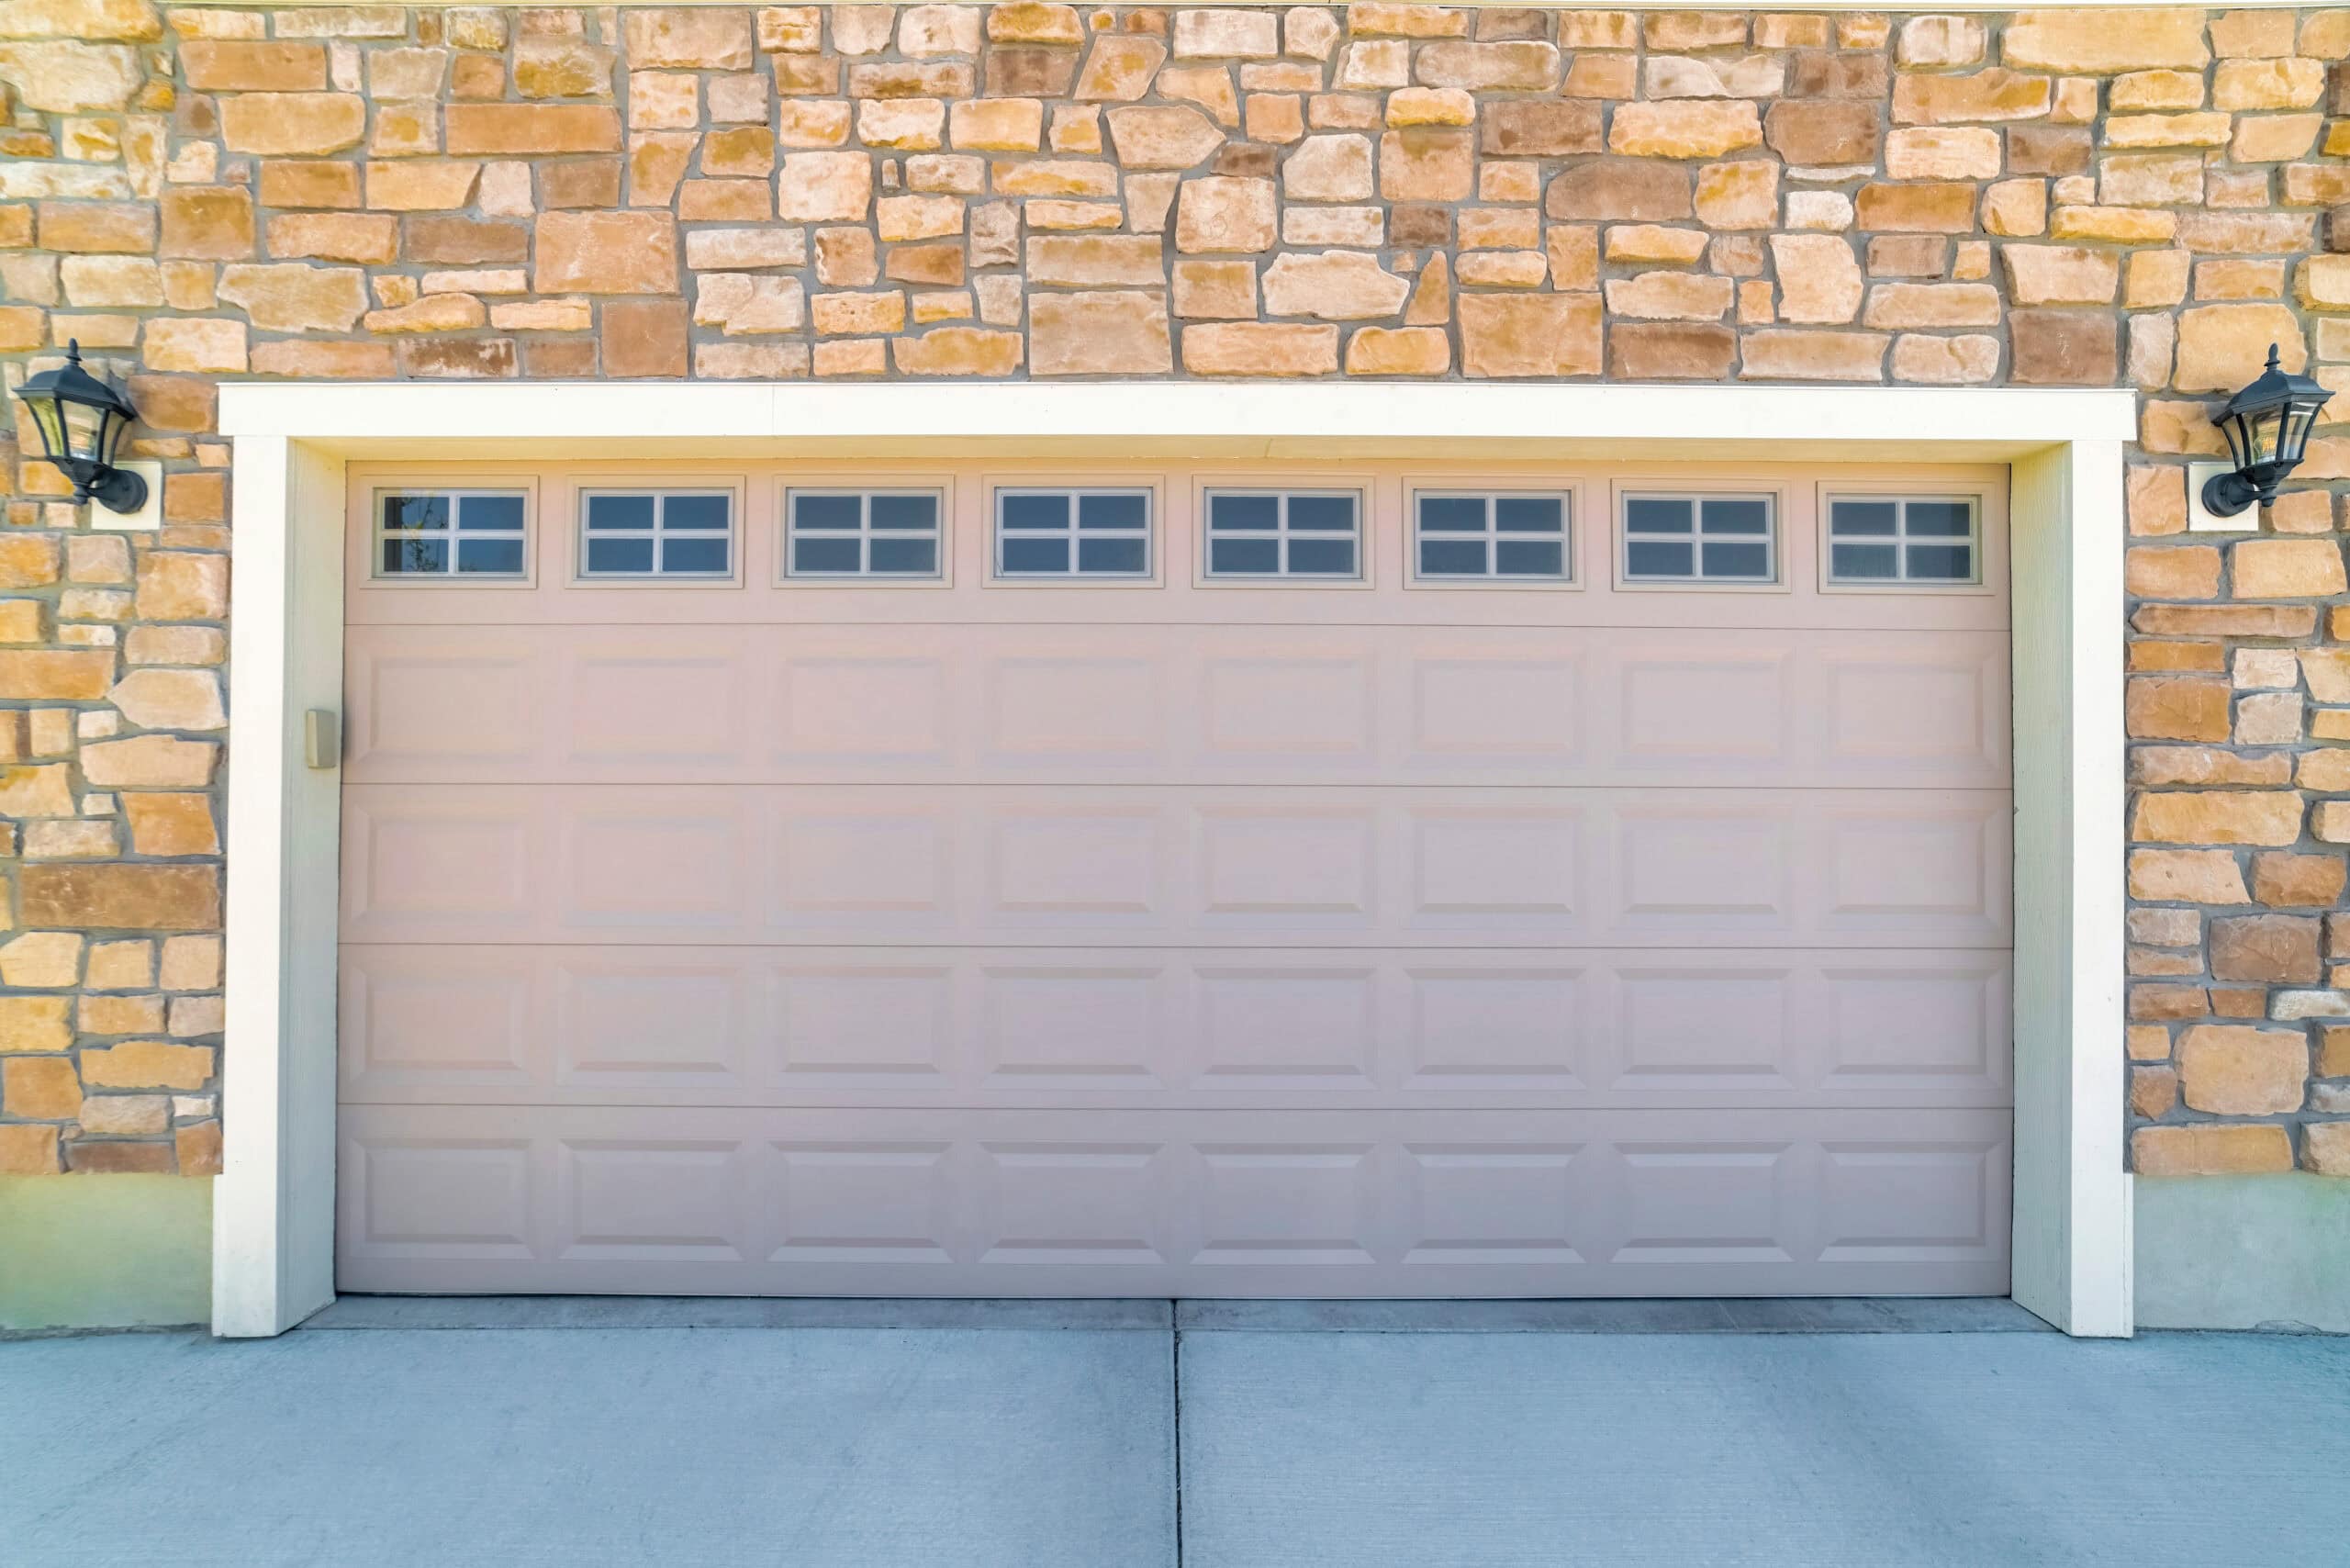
1494	536
658	533
1901	539
1731	539
1283	533
473	533
862	534
1061	533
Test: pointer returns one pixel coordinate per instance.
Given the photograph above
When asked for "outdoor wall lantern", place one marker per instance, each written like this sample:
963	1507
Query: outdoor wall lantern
82	422
2268	427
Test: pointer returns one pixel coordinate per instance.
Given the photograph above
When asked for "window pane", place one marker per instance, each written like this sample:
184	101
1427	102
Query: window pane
1528	514
1321	558
821	555
1737	560
1649	514
696	511
1244	512
824	512
694	556
1941	520
1643	558
616	512
1439	513
1036	554
412	554
907	557
905	512
1452	558
1873	519
1861	563
620	555
1109	555
1321	511
1942	563
1530	558
1112	511
415	512
1035	511
496	556
1738	517
501	513
1243	557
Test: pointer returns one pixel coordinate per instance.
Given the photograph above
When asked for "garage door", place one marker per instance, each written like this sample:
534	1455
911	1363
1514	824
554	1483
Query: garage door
1194	881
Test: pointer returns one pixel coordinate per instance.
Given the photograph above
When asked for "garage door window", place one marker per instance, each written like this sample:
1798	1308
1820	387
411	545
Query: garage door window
1498	536
863	533
1072	533
449	534
657	533
1284	534
1902	539
1700	539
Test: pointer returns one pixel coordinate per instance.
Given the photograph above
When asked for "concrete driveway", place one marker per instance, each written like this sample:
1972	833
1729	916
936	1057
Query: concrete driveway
1109	1435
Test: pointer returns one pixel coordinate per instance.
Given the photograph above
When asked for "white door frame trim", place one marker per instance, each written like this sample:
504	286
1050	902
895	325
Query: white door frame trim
274	1204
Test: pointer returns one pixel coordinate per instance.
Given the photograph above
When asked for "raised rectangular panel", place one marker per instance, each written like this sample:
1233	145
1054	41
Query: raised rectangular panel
861	1201
891	859
1076	864
1722	711
1704	1203
1948	1018
470	702
1264	1026
1285	1204
1070	1203
669	859
1686	1025
1310	862
1910	1203
1492	1029
663	712
1514	710
1084	1026
642	1202
1945	868
840	708
649	1021
1493	1204
1075	709
1273	705
1936	710
435	1017
1512	863
439	1197
1690	867
862	1021
414	862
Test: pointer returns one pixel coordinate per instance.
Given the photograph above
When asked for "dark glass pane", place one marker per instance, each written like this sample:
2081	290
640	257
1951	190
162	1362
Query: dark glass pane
818	555
415	512
1321	558
1649	514
905	512
1452	558
697	512
1738	517
1323	512
1112	511
620	555
1643	559
1530	514
498	558
1874	519
1243	511
405	555
1530	558
1036	554
693	554
616	512
1242	557
1109	555
906	557
1752	561
1861	563
1451	514
1035	511
824	512
500	514
1942	563
1940	519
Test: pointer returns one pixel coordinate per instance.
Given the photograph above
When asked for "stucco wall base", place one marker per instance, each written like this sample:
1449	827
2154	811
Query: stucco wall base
104	1252
2244	1252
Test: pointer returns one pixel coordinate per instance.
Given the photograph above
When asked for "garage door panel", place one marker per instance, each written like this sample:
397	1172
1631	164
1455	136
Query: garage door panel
1233	1204
1173	704
1141	1027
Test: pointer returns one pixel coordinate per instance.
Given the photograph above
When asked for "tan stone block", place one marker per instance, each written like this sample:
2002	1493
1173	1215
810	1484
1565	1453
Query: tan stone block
1337	286
2161	766
291	297
115	227
1641	351
1986	96
724	201
41	959
1053	178
39	1089
998	125
1743	194
1910	305
28	560
1219	290
919	218
1819	278
1689	128
504	129
2229	1069
2154	1090
67	76
907	124
1530	335
814	122
1510	66
1959	361
1654	243
1226	214
1670	296
1404	351
2087	41
858	314
1941	208
1162	137
1027	22
1332	167
2179	708
2267	83
1431	163
825	186
1119	68
694	37
2306	881
2274	139
2172	572
36	1023
305	123
1105	333
1090	260
125	1116
1943	152
442	313
1824	133
182	585
2115	225
1226	34
335	236
608	253
2270	948
2287	569
207	222
147	1064
55	674
1940	42
745	152
2059	275
2323	283
1376	18
958	351
2325	1147
1251	348
2266	818
35	791
120	1015
191	963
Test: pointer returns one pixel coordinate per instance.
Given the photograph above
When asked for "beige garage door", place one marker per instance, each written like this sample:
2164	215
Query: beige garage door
1185	881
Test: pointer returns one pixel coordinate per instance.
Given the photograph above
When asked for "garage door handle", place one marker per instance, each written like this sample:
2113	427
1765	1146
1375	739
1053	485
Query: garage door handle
322	738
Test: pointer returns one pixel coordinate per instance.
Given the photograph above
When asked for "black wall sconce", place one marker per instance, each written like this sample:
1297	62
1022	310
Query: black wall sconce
2268	427
82	422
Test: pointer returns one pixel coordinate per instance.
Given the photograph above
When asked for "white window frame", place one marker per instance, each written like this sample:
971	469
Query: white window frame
377	535
586	492
998	491
940	574
1774	545
1570	537
1209	488
1989	564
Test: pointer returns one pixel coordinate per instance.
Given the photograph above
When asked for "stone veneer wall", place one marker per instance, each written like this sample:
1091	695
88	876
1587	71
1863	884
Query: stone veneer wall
2048	199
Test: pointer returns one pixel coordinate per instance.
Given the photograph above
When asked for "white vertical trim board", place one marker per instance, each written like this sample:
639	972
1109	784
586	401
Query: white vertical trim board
273	1213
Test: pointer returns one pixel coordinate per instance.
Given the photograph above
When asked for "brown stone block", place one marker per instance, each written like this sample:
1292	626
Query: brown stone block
2154	1092
2334	1051
510	128
39	1089
1540	128
1815	73
591	182
936	264
462	242
197	1147
560	359
247	65
1944	208
1620	189
112	1159
120	896
2168	1003
1671	352
1031	73
2297	881
644	337
2064	348
2178	708
1420	224
2272	948
1246	161
2209	1149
